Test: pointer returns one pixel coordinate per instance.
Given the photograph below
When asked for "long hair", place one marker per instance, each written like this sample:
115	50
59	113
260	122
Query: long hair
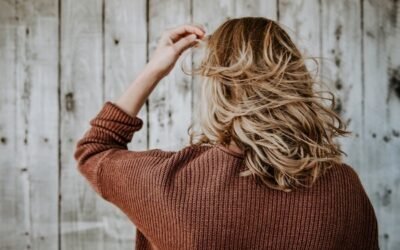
258	92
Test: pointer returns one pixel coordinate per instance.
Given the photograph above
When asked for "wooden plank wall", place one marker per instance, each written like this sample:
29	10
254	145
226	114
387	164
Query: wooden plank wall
60	60
29	124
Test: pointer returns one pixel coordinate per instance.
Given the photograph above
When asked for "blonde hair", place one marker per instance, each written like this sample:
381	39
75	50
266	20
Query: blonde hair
258	92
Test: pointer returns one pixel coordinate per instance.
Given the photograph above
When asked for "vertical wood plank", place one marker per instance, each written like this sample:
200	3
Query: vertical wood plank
170	102
381	172
266	8
125	45
125	55
211	14
342	69
84	221
38	93
103	46
30	52
302	21
12	204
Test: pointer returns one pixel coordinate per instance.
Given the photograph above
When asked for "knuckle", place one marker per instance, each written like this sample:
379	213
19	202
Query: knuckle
174	50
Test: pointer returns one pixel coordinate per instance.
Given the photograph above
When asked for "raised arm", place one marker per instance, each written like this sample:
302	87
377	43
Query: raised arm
171	45
102	149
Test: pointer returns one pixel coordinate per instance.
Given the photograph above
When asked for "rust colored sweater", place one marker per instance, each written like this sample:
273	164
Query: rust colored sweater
194	199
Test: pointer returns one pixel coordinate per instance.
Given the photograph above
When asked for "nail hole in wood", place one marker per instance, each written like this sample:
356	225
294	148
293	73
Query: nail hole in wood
386	138
69	102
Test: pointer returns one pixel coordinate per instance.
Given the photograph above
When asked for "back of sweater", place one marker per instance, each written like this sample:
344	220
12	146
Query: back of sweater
194	198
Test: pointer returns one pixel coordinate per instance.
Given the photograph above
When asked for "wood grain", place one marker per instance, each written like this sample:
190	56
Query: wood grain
60	60
301	19
83	214
381	97
12	192
342	71
29	124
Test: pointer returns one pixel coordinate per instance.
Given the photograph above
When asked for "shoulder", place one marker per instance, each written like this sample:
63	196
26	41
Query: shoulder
361	218
349	175
348	184
343	180
343	172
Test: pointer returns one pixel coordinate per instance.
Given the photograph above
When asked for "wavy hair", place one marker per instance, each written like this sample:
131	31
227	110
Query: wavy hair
258	93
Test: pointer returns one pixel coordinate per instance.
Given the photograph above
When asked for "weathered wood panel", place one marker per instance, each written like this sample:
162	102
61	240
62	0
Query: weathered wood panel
263	8
301	19
381	115
342	71
125	54
29	124
102	47
84	222
12	208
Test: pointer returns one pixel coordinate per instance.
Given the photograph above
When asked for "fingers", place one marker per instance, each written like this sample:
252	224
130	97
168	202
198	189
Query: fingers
200	26
185	43
176	33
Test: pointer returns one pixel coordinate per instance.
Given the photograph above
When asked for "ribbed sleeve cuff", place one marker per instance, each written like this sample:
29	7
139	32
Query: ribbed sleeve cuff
114	124
112	112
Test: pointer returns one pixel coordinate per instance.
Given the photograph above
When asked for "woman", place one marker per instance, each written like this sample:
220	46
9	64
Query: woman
264	172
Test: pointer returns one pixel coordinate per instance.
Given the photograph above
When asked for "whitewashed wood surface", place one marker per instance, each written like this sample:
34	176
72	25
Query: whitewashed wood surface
60	60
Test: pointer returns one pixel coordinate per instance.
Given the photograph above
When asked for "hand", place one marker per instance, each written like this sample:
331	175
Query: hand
172	44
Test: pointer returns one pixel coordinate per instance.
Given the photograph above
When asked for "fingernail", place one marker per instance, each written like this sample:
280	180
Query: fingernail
203	27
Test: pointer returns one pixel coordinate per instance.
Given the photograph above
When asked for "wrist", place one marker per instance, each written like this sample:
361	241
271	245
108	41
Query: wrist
154	71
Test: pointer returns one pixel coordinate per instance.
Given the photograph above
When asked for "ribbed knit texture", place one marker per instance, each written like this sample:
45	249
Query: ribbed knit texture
194	199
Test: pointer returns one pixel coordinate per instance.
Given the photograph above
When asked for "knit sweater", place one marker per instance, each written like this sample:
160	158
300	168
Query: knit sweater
193	198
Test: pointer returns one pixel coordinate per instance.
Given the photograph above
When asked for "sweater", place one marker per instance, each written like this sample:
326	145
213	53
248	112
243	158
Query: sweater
193	198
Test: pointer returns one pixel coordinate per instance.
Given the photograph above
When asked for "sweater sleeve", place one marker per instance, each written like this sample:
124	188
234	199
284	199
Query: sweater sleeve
362	218
114	172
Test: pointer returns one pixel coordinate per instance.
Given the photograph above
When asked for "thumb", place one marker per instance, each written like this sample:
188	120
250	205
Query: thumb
184	43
